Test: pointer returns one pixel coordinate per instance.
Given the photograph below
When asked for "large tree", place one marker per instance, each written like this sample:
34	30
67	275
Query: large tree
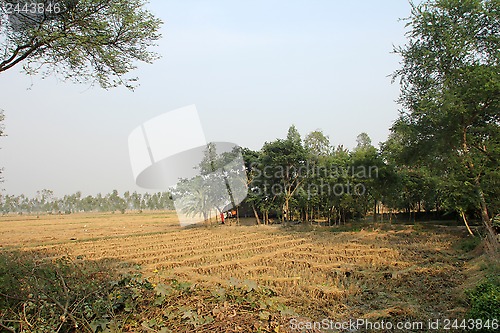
92	41
253	170
450	93
283	163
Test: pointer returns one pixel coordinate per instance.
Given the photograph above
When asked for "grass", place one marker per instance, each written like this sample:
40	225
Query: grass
470	243
40	294
265	274
483	294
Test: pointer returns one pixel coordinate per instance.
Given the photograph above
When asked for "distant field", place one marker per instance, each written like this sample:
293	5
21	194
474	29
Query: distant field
380	272
29	230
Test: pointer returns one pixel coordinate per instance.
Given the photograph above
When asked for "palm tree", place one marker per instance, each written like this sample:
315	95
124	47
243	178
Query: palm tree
193	197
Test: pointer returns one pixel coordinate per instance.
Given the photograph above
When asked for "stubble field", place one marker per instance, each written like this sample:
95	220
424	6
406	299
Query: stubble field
373	271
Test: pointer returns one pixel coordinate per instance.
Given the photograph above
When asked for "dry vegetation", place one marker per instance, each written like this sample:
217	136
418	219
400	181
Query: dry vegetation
29	230
411	272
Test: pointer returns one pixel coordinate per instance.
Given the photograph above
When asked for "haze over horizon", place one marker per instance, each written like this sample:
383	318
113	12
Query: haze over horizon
252	70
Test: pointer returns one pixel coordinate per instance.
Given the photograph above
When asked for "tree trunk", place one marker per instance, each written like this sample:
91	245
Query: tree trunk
237	215
466	224
256	215
287	210
491	238
490	233
329	217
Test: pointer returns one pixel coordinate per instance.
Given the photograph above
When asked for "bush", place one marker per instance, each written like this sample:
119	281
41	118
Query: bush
42	293
45	292
470	243
484	301
496	223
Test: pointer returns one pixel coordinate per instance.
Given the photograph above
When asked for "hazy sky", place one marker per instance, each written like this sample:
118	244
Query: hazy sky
252	68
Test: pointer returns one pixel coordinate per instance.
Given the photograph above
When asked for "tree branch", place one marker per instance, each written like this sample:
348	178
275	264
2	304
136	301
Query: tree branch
12	61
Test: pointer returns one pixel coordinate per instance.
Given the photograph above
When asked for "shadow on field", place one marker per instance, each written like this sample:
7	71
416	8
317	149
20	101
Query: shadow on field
46	292
42	291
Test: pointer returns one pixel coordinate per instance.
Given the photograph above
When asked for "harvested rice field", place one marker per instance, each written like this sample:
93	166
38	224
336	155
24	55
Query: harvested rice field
373	271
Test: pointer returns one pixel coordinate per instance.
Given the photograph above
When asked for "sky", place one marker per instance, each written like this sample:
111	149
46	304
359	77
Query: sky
252	68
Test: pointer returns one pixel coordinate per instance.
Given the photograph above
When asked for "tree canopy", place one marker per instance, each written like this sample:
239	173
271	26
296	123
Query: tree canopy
450	93
90	41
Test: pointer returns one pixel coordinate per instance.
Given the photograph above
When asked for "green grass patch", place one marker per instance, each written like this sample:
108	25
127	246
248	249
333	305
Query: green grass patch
348	227
484	301
469	243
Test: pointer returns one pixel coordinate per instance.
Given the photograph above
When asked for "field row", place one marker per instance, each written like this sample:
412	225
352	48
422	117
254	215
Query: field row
321	270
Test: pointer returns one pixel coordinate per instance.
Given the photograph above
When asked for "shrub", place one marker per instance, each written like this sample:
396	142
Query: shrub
484	302
469	244
48	294
40	293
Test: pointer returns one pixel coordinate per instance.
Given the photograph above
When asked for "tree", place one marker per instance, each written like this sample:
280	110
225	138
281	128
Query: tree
450	92
254	173
363	141
194	197
218	186
283	164
317	144
367	164
82	41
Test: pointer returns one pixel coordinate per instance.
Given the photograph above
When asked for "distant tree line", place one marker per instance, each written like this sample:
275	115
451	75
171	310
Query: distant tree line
46	202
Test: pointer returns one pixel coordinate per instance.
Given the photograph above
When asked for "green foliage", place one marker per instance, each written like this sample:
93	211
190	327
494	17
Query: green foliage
52	295
311	181
484	301
46	293
317	144
281	174
496	221
46	202
347	228
210	190
450	88
86	41
363	141
470	243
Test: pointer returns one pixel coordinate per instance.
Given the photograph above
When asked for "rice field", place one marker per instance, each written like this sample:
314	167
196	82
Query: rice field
374	272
